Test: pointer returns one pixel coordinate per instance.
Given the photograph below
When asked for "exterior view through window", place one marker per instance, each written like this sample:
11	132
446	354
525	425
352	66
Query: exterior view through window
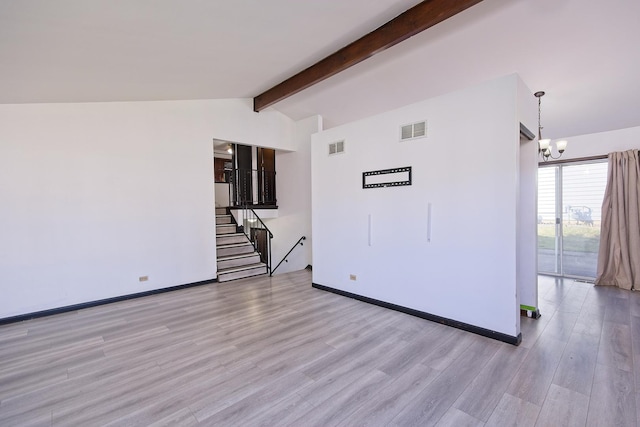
569	208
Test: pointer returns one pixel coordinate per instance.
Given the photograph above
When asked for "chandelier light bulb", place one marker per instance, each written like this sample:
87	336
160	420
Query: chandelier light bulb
544	144
561	146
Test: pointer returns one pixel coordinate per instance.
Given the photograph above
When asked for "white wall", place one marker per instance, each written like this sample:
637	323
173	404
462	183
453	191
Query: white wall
222	194
602	143
527	225
467	169
527	232
293	179
95	195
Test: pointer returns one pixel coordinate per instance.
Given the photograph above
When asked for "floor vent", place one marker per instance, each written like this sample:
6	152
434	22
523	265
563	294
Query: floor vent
413	131
336	148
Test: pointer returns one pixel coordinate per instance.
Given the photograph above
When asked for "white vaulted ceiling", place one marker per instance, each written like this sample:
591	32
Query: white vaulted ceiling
584	54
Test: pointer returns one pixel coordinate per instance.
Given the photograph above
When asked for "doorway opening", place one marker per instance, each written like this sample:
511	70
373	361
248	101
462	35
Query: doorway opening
245	176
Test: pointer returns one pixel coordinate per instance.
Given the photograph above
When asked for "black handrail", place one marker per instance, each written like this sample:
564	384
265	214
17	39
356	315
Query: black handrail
299	242
247	219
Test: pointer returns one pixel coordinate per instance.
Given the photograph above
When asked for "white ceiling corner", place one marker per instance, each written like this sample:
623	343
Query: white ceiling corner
583	54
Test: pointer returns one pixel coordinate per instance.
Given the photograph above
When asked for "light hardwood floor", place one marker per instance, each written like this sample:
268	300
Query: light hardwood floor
274	351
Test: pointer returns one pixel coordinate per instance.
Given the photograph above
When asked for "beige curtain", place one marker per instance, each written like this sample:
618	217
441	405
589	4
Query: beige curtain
619	255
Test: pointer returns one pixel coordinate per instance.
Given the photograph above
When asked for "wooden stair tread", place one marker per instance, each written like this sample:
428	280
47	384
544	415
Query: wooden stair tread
234	245
242	268
239	256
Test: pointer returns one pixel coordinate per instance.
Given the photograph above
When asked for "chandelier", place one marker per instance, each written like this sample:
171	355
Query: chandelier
544	145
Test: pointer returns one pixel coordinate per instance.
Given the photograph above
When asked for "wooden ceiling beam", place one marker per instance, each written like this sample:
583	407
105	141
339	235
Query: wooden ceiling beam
411	22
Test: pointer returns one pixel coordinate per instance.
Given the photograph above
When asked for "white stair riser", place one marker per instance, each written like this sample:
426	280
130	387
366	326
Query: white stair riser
254	259
226	229
221	211
236	250
225	277
227	240
226	219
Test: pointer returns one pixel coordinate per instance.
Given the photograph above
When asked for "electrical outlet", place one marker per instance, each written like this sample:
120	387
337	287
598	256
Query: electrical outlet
143	278
352	277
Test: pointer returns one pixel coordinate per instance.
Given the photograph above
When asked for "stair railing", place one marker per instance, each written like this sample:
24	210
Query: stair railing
299	242
258	233
252	187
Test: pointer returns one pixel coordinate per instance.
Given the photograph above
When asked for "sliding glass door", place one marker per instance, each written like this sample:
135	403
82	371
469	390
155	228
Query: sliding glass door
569	206
548	221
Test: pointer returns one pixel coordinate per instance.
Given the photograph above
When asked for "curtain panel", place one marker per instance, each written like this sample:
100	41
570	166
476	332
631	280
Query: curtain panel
619	253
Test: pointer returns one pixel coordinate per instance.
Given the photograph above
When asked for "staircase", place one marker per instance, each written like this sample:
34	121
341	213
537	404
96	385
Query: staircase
237	258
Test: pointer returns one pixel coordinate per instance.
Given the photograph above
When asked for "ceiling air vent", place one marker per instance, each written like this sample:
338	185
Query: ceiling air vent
413	131
336	148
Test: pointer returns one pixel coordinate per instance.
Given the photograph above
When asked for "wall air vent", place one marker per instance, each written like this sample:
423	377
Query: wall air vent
413	131
336	148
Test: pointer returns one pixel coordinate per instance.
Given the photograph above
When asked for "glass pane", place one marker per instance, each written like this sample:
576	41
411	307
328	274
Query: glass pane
583	188
548	251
